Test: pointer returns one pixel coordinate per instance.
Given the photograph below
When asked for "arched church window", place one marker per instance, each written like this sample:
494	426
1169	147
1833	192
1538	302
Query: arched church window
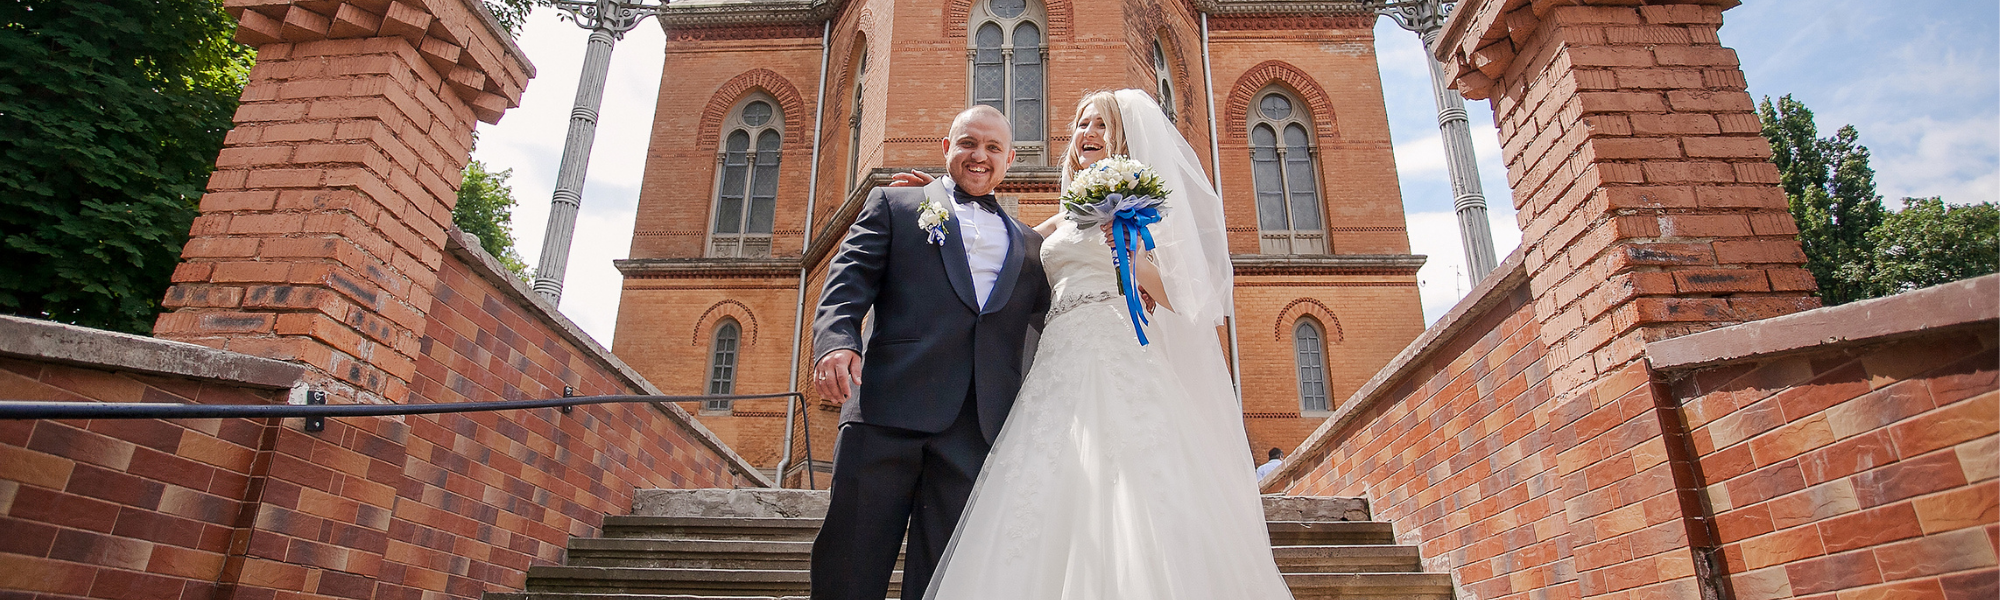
860	70
1009	63
746	179
722	363
1310	350
1282	165
1163	76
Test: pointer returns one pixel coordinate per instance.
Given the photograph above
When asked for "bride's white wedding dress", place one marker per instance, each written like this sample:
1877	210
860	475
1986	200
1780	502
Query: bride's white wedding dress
1123	471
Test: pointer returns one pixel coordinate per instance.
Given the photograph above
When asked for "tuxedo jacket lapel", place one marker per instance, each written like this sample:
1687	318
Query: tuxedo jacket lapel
1010	268
957	268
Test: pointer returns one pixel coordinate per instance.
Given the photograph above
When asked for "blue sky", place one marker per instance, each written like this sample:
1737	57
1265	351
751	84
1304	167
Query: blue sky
1919	78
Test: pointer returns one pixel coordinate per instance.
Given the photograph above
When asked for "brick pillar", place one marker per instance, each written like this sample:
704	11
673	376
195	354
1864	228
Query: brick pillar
1649	210
323	229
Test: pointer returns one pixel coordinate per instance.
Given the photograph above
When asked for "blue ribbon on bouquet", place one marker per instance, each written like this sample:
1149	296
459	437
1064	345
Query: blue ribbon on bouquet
1129	229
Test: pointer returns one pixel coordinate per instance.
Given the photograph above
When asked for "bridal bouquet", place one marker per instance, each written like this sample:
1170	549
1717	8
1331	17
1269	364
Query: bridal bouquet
1129	196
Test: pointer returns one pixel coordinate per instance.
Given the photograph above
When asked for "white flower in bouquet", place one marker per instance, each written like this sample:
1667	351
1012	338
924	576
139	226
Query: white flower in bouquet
1099	192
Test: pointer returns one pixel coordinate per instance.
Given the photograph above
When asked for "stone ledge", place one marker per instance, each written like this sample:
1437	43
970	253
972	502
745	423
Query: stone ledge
1957	304
707	267
466	247
96	348
1291	264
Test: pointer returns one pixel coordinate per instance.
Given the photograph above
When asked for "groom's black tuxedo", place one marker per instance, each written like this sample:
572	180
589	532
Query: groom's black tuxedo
938	377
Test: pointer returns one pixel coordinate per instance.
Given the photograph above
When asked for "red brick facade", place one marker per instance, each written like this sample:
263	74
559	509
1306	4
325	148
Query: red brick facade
1527	442
326	242
916	79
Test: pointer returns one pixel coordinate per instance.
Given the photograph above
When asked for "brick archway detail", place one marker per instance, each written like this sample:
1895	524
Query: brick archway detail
704	327
754	80
959	11
1237	108
1329	324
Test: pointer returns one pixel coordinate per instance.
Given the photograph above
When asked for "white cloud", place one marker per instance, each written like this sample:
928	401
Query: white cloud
1444	278
530	139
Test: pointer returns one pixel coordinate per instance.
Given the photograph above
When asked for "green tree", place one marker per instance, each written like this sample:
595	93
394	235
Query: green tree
1930	243
486	209
111	114
1832	194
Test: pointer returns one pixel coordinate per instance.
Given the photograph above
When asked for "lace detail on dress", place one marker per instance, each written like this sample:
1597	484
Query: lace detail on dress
1069	303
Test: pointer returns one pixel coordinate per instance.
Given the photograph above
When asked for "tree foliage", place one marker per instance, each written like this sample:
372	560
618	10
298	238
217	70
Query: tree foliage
1832	193
1930	243
1855	247
111	114
486	209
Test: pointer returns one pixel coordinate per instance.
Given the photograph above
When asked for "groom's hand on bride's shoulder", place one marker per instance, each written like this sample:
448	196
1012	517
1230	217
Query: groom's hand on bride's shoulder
836	375
911	178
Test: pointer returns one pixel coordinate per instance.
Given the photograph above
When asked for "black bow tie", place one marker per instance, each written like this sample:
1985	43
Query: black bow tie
987	202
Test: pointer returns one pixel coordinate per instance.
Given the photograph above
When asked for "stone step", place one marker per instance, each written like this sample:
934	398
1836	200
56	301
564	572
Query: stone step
1348	559
1375	586
1333	533
712	528
607	583
788	555
1283	533
811	504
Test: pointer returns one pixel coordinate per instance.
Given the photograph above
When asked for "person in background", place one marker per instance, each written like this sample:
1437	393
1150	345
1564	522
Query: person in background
1277	458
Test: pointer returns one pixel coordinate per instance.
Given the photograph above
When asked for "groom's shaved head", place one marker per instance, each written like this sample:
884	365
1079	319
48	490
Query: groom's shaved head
981	112
979	149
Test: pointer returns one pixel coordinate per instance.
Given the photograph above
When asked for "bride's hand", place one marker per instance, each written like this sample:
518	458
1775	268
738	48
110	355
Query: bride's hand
911	178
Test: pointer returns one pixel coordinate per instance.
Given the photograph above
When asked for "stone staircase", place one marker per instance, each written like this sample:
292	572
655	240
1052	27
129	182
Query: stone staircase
752	544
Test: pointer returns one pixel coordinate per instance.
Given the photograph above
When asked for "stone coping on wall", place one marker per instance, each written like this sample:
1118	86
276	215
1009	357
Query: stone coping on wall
1957	304
1490	291
466	247
1330	264
40	340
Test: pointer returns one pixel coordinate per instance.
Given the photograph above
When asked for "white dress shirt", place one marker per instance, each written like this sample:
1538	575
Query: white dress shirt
986	241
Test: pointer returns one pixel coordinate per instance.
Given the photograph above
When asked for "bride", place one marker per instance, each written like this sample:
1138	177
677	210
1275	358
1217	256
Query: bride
1123	471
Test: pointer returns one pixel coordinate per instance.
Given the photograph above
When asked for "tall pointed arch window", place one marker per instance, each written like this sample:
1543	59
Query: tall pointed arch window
1310	351
746	179
860	71
1164	81
1009	62
1284	167
722	363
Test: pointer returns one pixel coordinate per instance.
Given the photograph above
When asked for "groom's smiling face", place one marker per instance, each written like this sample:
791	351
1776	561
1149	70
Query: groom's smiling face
978	150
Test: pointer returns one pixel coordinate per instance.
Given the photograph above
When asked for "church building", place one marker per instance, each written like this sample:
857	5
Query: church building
777	117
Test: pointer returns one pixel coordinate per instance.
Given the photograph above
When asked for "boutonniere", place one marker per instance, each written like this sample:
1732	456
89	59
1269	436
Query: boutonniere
931	218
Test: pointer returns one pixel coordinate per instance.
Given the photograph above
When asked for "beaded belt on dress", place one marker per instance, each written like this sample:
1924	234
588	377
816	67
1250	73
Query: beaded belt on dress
1069	303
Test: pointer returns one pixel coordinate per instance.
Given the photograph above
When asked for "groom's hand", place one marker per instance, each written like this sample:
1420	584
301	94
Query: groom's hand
911	178
836	375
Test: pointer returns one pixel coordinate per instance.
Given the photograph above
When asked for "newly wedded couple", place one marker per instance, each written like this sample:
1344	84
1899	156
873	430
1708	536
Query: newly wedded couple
1115	469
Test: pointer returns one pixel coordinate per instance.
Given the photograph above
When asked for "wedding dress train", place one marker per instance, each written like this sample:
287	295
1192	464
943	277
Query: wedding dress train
1121	473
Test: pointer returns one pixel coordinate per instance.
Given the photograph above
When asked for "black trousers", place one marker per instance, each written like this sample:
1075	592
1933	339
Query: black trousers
885	480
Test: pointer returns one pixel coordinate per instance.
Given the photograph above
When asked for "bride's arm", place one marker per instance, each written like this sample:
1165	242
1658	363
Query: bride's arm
1048	226
1150	280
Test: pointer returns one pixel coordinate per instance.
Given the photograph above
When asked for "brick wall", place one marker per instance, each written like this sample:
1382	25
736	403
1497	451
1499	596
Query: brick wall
324	259
455	504
1865	469
1595	421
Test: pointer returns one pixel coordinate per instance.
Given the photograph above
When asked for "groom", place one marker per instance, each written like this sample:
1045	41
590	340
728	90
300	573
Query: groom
953	303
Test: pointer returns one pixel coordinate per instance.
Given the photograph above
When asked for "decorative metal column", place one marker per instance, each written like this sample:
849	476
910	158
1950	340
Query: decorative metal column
607	20
1426	18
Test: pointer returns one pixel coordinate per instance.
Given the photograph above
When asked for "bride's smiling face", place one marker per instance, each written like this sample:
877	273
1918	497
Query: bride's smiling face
1089	143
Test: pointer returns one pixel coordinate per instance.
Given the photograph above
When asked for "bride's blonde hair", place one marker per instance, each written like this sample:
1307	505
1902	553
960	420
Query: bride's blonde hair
1114	130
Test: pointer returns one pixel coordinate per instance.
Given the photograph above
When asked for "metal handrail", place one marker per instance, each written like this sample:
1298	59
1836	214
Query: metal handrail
17	410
